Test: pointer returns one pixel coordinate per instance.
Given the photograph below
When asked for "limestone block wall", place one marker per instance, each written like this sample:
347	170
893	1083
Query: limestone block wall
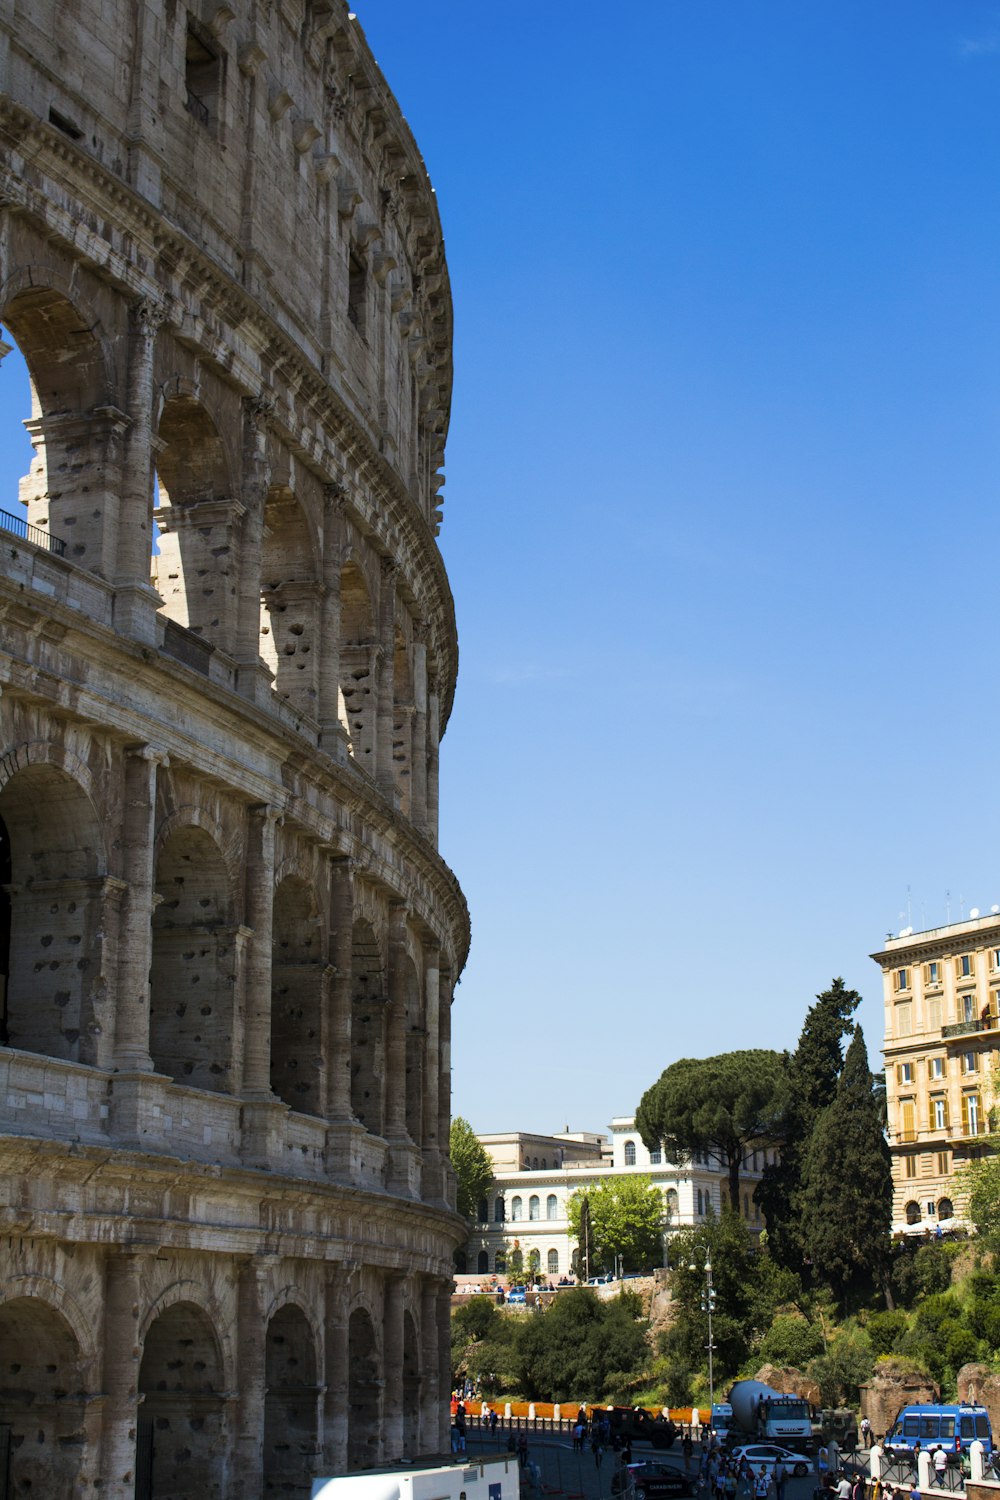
228	943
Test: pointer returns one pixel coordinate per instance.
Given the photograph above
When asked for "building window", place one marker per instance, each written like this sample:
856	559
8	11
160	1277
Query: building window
995	958
483	1262
933	973
963	966
551	1207
943	1163
357	292
553	1262
901	979
202	76
994	1011
904	1018
945	1209
934	1013
972	1113
935	1067
700	1209
910	1170
630	1153
930	1207
907	1131
655	1157
534	1261
515	1208
970	1062
498	1211
968	1007
913	1212
543	1164
534	1163
672	1202
904	1072
534	1207
939	1113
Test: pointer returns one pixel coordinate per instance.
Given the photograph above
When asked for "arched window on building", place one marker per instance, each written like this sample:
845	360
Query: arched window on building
534	1262
630	1153
551	1207
655	1156
534	1163
946	1209
483	1211
534	1207
553	1262
543	1163
672	1202
913	1212
483	1262
498	1211
515	1208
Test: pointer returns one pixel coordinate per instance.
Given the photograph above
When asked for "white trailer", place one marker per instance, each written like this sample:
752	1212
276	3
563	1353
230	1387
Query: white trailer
493	1478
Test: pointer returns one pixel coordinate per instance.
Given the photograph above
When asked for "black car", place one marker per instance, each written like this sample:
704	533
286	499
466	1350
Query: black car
635	1422
652	1480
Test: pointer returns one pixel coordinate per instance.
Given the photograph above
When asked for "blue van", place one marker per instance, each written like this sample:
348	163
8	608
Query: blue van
953	1428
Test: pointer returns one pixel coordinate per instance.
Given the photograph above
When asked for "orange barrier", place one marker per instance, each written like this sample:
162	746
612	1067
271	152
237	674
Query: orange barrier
567	1409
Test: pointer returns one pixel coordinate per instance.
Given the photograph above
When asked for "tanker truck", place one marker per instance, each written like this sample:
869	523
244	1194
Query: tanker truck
761	1414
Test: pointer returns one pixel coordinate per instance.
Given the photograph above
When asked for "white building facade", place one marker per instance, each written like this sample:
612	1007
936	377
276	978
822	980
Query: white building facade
536	1176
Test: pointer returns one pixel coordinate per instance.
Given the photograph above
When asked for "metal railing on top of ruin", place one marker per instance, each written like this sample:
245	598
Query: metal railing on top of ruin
37	535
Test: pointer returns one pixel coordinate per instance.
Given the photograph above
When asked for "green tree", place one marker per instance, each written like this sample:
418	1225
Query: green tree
791	1341
581	1348
846	1196
811	1075
722	1105
844	1368
626	1219
981	1181
482	1344
472	1166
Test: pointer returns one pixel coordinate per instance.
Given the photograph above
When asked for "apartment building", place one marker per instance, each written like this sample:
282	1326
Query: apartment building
942	1002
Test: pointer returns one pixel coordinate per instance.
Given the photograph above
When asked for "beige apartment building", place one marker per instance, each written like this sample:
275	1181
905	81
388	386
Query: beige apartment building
942	1002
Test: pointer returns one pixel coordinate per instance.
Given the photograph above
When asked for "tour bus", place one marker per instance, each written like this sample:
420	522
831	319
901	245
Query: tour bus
953	1428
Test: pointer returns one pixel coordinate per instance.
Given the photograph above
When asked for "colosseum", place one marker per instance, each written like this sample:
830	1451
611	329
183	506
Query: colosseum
228	943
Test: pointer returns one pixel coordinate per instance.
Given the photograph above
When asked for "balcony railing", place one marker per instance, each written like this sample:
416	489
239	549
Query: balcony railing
36	535
970	1028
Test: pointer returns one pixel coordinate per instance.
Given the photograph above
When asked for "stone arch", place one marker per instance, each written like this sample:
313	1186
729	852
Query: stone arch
181	1419
74	427
193	968
290	1405
364	1385
483	1262
290	600
358	698
945	1208
52	907
368	1039
43	1398
195	571
403	707
672	1201
913	1212
416	1036
411	1387
298	1060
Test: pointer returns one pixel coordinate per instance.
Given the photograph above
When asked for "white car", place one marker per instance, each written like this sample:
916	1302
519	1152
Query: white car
766	1456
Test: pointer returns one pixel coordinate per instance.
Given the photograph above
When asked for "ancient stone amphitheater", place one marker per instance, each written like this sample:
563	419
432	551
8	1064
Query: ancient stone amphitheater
227	655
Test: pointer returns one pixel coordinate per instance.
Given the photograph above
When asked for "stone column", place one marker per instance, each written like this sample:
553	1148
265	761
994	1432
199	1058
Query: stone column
337	1341
395	1059
432	1092
433	736
386	675
121	1356
136	601
431	1394
341	953
135	938
251	1350
418	751
253	677
444	1361
444	1061
259	913
392	1369
333	738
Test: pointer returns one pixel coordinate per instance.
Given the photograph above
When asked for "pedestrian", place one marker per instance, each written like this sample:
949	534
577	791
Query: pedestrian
763	1483
687	1448
522	1449
780	1479
858	1488
866	1433
843	1486
493	1420
915	1491
822	1461
939	1459
578	1437
597	1448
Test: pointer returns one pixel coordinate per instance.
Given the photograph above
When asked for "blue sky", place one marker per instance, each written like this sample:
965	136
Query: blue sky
720	513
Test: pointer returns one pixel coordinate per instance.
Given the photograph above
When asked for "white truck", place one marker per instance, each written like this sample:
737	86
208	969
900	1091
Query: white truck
761	1414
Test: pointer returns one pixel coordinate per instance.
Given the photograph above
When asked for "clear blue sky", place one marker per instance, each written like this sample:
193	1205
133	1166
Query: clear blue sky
721	513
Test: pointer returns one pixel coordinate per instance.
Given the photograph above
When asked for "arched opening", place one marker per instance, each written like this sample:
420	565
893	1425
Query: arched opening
192	974
367	1029
945	1208
53	908
363	1387
43	1400
16	405
515	1208
630	1153
402	722
913	1212
483	1262
553	1262
534	1207
357	680
194	570
298	1068
461	1262
181	1416
534	1262
74	429
290	1431
411	1388
672	1203
551	1207
290	597
498	1210
415	1039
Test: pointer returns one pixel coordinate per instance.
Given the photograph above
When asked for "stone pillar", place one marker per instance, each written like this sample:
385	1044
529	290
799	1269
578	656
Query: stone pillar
430	1369
259	913
333	738
251	1350
432	1089
121	1356
395	1058
335	1414
341	959
253	679
418	751
136	601
433	736
392	1369
386	674
135	938
444	1062
444	1361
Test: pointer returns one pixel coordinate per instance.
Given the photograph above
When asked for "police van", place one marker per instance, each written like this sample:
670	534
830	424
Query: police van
953	1428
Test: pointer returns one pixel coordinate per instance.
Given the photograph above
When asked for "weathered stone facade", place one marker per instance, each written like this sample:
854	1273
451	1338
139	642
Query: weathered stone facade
227	654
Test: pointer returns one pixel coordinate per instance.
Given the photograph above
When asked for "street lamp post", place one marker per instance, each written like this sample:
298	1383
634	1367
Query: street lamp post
708	1307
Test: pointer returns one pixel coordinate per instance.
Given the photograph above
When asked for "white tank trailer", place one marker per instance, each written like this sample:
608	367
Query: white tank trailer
762	1413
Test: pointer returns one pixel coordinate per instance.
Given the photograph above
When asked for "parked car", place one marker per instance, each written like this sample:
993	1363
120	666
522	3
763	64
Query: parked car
653	1480
766	1456
604	1280
517	1294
